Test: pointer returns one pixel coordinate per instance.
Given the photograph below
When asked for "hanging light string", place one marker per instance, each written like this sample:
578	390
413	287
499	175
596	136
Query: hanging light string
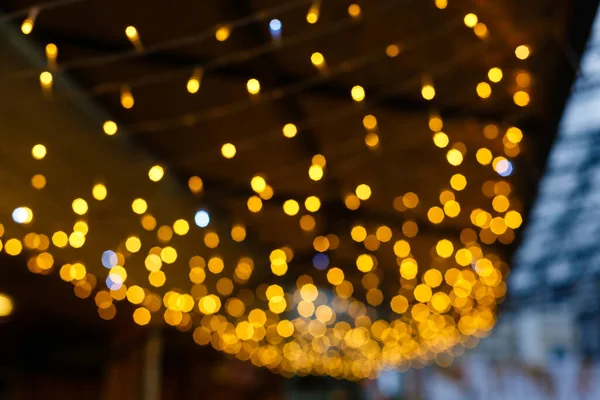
171	44
222	61
45	6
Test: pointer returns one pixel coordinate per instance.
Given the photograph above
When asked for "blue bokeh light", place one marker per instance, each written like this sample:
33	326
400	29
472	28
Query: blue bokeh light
321	261
275	26
202	219
109	259
504	168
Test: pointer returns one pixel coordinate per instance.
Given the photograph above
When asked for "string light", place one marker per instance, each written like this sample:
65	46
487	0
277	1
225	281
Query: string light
428	92
46	80
253	86
481	30
495	74
51	55
193	84
132	34
358	93
521	98
441	4
110	127
313	12
317	60
228	150
99	192
127	100
289	130
29	22
222	33
484	90
471	20
156	173
522	52
275	27
38	151
354	10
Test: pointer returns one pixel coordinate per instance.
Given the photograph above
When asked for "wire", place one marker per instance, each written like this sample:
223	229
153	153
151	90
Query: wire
51	5
159	46
153	79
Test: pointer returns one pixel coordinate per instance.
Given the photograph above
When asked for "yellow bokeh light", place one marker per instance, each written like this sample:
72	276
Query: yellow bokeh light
142	316
522	52
195	184
364	262
317	59
46	79
335	276
484	156
384	234
454	157
99	192
135	294
6	305
148	222
80	206
435	215
358	233
133	244
222	33
258	184
372	139
209	304
458	182
291	207
157	278
523	79
433	278
514	135
441	140
363	192
358	93
521	98
315	172
211	240
481	30
254	204
13	247
156	173
410	200
216	265
181	227
354	10
399	304
238	233
228	150
435	123
370	122
139	206
38	181
444	248
289	130
428	92
27	26
392	50
513	219
307	223
312	203
352	202
38	151
471	20
422	293
452	208
60	239
495	74
110	127
401	248
484	90
253	86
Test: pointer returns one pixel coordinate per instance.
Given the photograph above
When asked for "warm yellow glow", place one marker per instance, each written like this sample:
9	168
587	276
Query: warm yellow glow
458	182
38	181
521	98
471	20
454	157
228	150
307	223
131	32
372	139
135	294
370	122
444	248
80	206
363	192
110	127
133	244
289	130
352	202
127	100
435	215
484	90
195	184
358	233
238	233
364	262
523	79
358	93
13	247
76	240
315	172
157	278
81	226
399	304
317	59
156	173
142	316
392	50
60	239
139	206
335	276
428	92
495	74
522	52
354	10
253	86
312	203
222	33
514	135
484	156
148	222
6	305
422	293
38	151
181	227
291	207
452	208
441	4
313	12
46	79
193	84
401	248
481	30
258	184
254	204
99	192
441	140
513	219
27	26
